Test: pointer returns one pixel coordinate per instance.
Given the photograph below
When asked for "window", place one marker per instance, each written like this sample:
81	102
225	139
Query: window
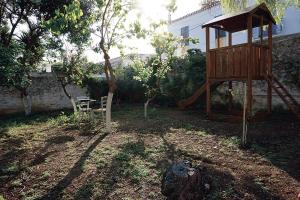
276	29
221	33
185	34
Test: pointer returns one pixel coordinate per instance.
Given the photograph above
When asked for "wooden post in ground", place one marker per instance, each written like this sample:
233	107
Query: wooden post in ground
249	66
270	67
208	97
230	82
245	128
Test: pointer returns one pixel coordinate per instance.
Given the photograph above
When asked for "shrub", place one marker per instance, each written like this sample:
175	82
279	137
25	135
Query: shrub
186	76
128	89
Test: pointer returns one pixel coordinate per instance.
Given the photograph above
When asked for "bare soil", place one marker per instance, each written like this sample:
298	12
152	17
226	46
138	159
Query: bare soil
46	157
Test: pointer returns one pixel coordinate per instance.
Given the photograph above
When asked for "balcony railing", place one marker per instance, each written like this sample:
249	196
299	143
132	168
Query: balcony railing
232	62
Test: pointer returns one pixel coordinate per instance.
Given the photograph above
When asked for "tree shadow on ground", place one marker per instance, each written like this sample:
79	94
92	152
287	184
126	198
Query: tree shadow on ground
18	119
255	187
122	167
275	140
60	139
76	171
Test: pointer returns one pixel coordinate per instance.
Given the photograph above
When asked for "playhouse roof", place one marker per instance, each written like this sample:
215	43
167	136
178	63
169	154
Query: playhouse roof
238	21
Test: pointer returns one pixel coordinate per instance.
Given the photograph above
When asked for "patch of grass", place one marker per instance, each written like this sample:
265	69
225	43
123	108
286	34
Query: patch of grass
259	183
137	149
61	119
136	171
1	197
16	183
21	120
201	133
231	142
222	193
101	157
123	157
188	126
45	176
132	161
31	194
11	168
85	192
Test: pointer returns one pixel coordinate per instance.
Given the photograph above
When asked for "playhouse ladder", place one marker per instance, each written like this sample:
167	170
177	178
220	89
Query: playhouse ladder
287	98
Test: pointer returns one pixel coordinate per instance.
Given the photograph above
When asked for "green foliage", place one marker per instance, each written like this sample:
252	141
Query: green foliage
186	75
151	72
171	7
73	19
9	67
111	22
74	70
128	91
96	87
21	51
277	7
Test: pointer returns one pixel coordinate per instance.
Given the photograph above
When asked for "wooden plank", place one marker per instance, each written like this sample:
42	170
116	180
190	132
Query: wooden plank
236	61
244	61
256	62
262	62
225	63
230	63
213	64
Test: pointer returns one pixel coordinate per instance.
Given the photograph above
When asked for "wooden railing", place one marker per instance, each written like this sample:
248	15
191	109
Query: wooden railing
231	62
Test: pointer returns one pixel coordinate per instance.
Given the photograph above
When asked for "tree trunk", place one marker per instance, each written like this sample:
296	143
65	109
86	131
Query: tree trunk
146	109
27	103
111	83
108	111
73	104
69	96
146	106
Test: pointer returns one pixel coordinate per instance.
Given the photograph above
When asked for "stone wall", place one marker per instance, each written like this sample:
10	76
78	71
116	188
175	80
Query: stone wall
46	94
286	67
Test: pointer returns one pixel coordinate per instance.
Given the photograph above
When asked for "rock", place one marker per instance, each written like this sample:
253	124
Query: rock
182	181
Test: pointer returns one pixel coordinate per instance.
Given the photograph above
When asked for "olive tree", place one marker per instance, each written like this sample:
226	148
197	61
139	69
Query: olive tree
151	72
277	7
112	26
22	41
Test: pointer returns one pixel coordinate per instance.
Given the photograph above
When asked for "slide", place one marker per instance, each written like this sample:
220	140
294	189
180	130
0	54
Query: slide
182	104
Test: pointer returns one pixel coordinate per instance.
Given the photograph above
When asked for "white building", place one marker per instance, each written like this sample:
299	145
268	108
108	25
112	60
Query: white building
190	25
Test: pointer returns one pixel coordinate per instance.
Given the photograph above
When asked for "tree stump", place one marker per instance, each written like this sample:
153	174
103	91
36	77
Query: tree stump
182	181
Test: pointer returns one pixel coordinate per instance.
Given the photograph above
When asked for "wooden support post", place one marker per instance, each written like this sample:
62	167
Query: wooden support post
249	66
229	39
270	66
230	82
208	95
218	38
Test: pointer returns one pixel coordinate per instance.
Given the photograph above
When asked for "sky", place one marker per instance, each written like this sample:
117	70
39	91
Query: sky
150	10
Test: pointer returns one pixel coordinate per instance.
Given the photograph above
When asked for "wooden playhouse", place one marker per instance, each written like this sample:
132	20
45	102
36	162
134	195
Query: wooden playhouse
243	62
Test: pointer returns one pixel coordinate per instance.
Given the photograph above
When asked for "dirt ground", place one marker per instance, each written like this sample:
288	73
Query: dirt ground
48	157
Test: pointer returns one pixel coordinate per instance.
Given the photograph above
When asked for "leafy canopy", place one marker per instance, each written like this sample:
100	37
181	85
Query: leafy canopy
277	7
